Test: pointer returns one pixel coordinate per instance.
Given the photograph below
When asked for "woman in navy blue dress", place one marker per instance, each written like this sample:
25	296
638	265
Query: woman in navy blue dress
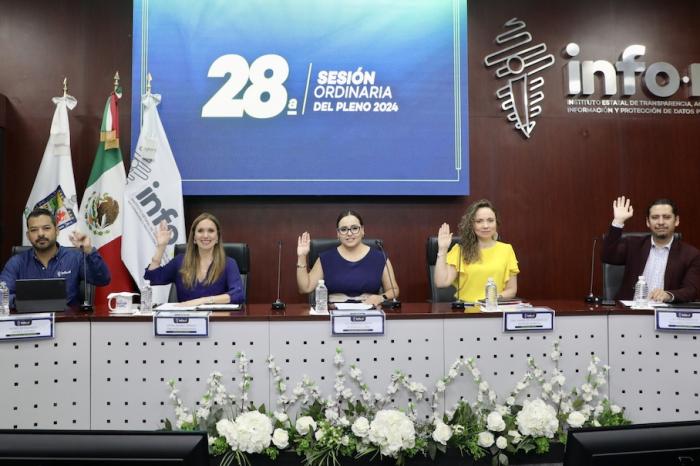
353	270
203	274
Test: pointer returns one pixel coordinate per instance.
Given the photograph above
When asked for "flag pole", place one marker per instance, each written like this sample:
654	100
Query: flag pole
148	83
116	81
65	86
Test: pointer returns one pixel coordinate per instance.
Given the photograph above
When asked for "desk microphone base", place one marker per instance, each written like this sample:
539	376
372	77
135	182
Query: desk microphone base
460	305
391	304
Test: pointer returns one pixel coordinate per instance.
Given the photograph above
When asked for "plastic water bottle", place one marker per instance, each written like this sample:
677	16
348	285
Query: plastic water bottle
491	295
321	297
4	299
641	292
146	297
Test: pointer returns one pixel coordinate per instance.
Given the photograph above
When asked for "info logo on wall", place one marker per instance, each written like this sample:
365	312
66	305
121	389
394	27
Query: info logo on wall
518	62
309	97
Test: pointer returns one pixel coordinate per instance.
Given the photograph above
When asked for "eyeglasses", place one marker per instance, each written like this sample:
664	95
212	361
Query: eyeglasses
354	229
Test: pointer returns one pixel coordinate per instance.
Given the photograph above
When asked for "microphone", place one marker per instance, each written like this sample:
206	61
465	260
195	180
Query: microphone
458	304
392	303
87	299
279	305
591	298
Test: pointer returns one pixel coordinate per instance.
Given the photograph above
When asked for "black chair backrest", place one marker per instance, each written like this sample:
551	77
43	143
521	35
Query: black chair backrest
438	295
613	274
237	251
91	290
319	245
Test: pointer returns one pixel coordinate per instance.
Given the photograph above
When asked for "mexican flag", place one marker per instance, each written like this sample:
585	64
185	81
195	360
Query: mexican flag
102	207
54	186
153	194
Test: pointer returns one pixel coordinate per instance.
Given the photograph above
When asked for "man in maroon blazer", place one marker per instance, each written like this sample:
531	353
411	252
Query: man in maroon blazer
670	267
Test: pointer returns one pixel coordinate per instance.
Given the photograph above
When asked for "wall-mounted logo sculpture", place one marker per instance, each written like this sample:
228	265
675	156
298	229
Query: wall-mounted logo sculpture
519	61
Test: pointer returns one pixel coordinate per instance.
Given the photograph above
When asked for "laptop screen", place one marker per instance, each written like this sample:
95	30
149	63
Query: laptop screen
40	295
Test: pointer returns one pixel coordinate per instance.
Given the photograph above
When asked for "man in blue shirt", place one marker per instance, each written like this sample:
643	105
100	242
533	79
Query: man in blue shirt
47	259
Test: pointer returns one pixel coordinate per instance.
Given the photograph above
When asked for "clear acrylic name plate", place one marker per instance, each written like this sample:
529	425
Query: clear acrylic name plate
181	324
358	322
532	319
27	326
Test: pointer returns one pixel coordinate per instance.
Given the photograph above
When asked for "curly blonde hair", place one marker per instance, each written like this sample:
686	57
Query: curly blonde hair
470	242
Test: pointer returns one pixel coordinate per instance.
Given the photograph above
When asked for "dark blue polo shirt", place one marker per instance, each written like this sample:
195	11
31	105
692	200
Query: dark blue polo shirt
67	263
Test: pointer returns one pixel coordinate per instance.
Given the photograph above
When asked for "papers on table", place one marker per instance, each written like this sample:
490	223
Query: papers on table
201	307
649	307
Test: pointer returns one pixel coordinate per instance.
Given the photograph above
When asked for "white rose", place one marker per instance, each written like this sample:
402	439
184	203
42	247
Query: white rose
485	439
442	432
615	409
305	424
319	435
576	419
501	442
282	417
360	427
502	410
515	435
280	438
495	422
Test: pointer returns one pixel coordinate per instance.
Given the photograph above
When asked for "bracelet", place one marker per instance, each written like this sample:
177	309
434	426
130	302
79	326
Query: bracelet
301	266
441	255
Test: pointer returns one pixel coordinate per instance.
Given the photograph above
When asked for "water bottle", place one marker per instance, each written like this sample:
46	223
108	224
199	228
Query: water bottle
491	294
4	299
321	297
641	292
146	297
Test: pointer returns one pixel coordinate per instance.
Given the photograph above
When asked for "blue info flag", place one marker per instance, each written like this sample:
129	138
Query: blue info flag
309	97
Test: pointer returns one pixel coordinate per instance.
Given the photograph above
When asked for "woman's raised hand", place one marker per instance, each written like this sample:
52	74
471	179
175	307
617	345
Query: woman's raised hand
444	238
163	234
304	244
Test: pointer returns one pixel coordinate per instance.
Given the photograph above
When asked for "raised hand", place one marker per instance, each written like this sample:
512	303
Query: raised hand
622	210
304	244
163	234
81	240
444	238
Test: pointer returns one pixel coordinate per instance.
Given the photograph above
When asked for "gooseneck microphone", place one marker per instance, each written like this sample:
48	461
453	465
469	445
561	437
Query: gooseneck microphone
87	299
279	305
392	303
591	298
458	303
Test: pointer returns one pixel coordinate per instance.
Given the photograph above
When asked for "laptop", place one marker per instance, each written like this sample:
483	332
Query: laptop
40	295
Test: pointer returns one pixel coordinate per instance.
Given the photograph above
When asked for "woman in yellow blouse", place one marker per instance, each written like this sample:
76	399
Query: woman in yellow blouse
478	257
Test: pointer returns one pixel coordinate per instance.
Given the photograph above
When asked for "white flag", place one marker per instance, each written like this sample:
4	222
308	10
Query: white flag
54	186
153	193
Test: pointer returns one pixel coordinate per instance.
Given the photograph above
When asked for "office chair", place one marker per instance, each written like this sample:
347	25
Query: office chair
613	274
438	295
237	251
317	246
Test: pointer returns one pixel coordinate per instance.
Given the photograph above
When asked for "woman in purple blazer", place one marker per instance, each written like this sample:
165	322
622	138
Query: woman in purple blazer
203	274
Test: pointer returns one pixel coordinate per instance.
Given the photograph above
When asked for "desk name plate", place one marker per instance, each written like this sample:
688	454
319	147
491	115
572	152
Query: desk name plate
677	319
539	319
27	326
181	324
358	322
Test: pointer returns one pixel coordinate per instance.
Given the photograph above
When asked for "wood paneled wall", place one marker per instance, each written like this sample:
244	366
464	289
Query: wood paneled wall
554	191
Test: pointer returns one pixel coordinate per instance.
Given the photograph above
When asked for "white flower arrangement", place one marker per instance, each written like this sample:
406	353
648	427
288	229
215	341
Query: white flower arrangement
352	421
